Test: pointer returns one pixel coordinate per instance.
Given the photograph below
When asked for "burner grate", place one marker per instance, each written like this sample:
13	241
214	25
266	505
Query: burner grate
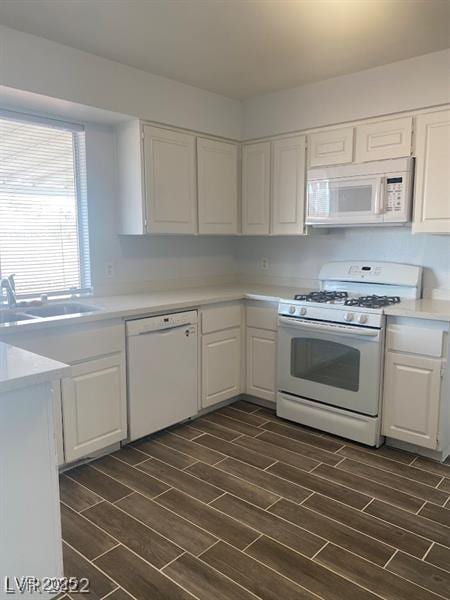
372	301
321	296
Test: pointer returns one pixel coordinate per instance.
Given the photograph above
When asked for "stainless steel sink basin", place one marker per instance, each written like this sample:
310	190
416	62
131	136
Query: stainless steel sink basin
60	309
12	316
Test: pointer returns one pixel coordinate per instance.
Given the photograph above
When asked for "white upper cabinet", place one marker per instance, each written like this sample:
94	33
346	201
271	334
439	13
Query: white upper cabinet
170	181
432	182
383	139
256	188
288	186
217	186
330	147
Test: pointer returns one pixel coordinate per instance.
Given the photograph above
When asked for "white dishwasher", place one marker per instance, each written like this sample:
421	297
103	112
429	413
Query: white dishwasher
162	364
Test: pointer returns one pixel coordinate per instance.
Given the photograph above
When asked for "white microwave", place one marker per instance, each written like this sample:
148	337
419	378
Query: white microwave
378	192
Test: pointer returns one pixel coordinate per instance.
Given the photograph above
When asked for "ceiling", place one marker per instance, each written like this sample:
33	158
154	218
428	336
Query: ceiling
240	48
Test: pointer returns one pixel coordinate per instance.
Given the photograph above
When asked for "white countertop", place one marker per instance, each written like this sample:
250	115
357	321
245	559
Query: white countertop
135	305
424	308
20	368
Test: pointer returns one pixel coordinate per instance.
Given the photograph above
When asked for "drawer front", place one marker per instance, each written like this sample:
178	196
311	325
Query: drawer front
415	340
72	344
221	317
262	317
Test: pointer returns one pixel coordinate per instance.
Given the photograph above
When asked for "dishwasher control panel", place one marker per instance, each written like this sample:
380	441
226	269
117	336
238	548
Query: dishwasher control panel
161	322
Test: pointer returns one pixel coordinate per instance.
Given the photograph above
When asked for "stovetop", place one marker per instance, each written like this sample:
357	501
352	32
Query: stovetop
343	298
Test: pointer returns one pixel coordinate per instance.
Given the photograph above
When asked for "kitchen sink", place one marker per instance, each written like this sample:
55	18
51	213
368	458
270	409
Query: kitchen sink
60	309
12	316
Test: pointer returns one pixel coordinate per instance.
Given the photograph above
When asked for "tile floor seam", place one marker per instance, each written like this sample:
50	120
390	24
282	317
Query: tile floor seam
387	570
230	579
327	541
252	542
390	558
173	560
155	440
428	551
110	593
127	496
372	499
157	569
105	551
89	489
404	528
363	533
93	564
320	549
361	461
129	486
209	547
384	485
419	509
174	513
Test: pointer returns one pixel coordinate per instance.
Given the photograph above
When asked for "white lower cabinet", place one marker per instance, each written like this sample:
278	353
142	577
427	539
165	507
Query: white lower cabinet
94	406
261	360
411	398
221	366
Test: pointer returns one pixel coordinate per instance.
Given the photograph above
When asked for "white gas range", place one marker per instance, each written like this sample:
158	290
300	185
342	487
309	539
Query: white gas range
331	347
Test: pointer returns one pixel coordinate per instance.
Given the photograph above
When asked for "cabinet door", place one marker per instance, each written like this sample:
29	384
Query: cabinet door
432	182
411	399
385	139
221	366
330	147
94	406
217	186
261	360
170	181
288	195
256	188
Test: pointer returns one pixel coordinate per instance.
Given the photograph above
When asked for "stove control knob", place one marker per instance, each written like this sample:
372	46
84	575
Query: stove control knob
362	319
348	316
303	310
292	310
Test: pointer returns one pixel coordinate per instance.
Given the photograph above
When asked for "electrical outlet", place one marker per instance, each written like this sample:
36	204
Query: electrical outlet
264	264
109	270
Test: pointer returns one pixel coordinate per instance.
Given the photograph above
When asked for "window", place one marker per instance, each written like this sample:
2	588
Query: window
43	206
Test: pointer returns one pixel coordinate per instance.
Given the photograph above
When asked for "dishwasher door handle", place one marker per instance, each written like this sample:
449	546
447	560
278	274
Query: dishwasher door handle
166	329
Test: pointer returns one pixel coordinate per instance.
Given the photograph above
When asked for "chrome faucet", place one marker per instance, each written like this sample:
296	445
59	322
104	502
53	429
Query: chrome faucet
9	285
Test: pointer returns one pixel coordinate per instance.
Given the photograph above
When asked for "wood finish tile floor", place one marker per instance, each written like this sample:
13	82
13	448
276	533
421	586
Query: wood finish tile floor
241	505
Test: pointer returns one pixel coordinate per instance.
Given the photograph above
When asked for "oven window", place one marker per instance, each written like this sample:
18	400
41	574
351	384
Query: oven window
326	362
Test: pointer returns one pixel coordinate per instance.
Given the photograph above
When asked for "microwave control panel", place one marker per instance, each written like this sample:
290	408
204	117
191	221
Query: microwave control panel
394	194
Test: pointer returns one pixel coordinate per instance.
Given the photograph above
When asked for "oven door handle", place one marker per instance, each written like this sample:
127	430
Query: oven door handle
336	329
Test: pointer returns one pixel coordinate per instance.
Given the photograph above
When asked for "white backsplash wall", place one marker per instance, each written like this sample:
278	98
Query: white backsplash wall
297	260
141	263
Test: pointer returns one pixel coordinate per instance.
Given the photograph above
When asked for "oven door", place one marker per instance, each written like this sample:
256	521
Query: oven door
338	365
346	201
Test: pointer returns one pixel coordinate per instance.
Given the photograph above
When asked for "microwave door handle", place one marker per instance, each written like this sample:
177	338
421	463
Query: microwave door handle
379	198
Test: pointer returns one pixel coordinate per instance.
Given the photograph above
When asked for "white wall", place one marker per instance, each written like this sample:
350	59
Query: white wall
405	85
34	64
145	262
297	260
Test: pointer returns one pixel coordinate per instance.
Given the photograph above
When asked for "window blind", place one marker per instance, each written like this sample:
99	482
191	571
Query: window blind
43	207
